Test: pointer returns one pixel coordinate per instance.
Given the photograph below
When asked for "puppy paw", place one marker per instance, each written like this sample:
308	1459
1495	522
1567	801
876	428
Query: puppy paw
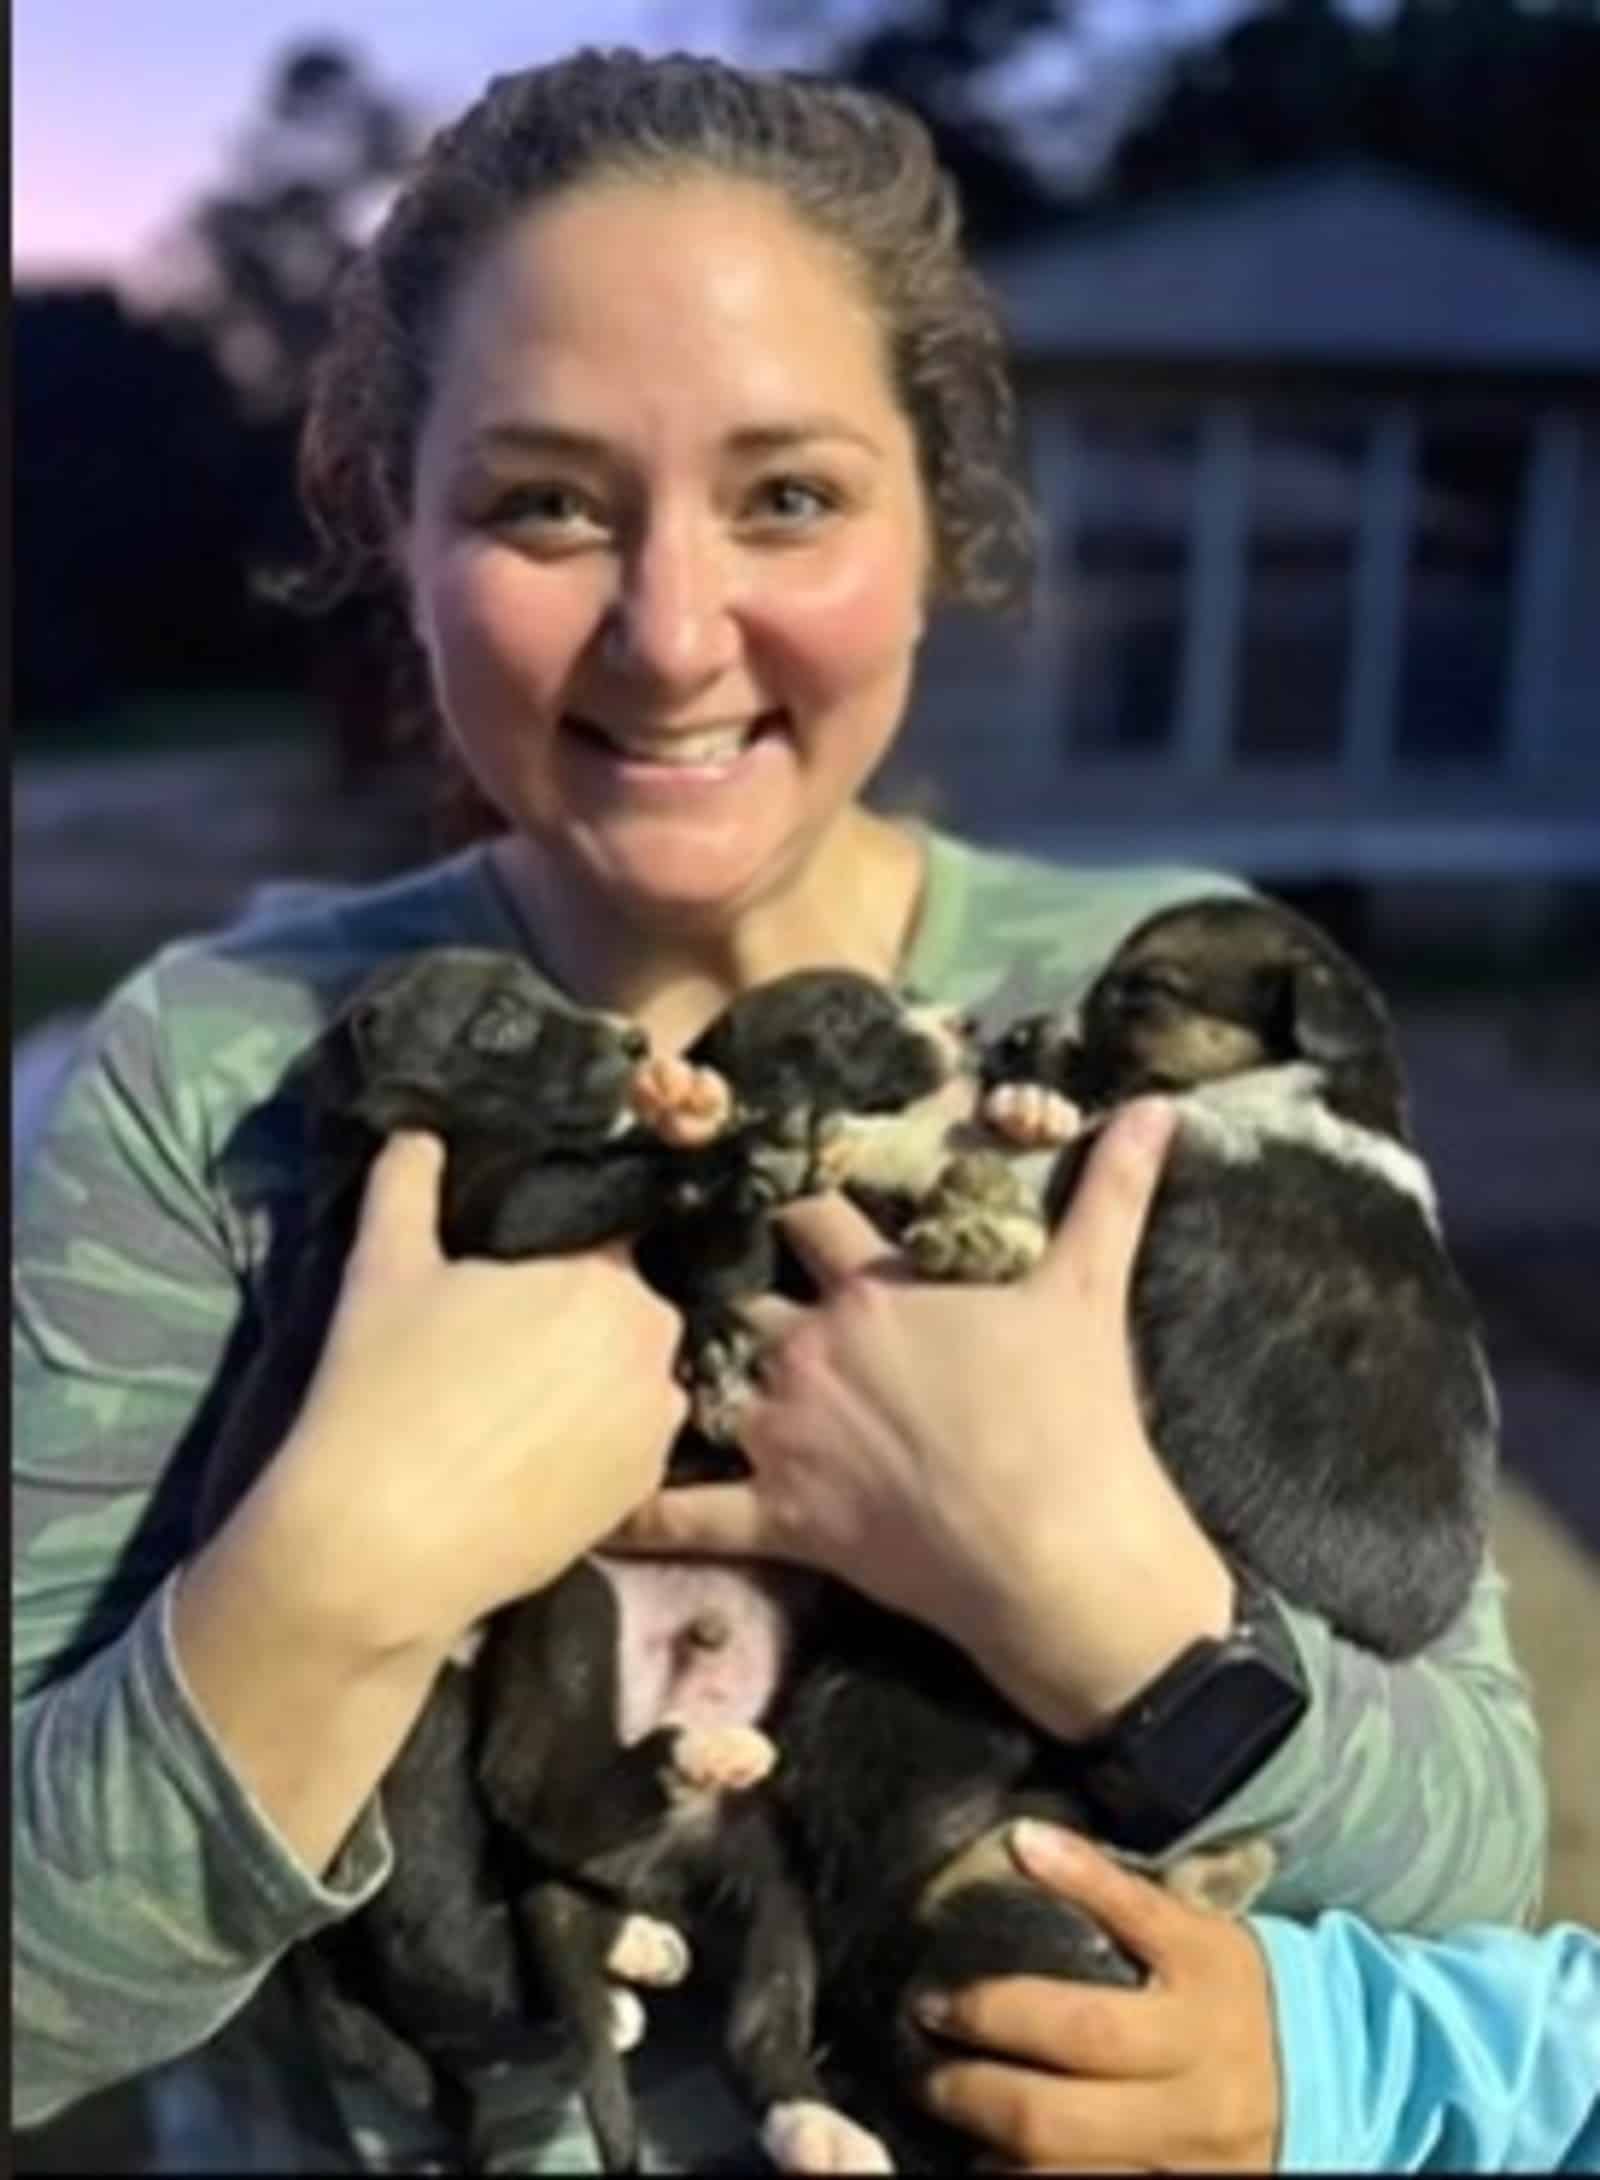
1029	1115
646	1950
1223	1879
722	1384
807	2136
682	1104
974	1244
722	1758
812	1153
627	2024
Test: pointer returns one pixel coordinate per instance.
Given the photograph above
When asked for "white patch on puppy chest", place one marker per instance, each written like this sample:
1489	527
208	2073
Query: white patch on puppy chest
1236	1117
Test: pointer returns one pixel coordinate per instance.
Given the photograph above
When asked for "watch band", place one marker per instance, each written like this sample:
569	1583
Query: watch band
1186	1742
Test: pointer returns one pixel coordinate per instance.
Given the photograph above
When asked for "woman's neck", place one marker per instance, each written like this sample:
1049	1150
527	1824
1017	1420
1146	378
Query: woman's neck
853	905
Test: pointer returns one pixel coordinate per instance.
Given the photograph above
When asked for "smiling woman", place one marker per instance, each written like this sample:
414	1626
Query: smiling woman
670	611
661	411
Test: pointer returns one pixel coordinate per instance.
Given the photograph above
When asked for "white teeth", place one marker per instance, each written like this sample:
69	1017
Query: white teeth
718	746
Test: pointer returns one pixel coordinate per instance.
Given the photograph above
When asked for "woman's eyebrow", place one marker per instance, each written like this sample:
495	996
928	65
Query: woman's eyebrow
515	435
798	431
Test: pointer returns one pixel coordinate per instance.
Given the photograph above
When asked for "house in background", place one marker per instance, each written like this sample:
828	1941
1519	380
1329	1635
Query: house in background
1319	466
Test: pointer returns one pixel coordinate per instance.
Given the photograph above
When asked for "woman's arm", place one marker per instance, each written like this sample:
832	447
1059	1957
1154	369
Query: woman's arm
151	1892
195	1760
1411	1792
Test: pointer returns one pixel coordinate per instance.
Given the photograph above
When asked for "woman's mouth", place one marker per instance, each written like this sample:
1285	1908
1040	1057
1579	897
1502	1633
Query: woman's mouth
689	753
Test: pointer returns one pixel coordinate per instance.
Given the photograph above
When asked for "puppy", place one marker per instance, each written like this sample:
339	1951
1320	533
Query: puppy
1310	1374
626	1709
560	1131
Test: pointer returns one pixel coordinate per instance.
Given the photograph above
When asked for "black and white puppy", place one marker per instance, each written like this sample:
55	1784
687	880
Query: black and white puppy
1298	1325
1310	1374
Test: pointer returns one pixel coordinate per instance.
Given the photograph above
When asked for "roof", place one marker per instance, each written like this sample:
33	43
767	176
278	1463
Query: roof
1352	264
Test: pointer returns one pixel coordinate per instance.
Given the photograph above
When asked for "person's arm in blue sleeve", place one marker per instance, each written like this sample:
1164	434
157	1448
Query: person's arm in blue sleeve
1262	2044
1477	2052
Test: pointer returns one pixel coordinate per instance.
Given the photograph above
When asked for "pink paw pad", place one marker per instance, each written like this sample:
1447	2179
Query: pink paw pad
684	1105
646	1950
725	1758
809	2137
1028	1114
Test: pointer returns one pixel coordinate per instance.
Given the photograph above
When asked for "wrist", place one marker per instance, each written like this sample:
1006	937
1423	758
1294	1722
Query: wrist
322	1593
1074	1663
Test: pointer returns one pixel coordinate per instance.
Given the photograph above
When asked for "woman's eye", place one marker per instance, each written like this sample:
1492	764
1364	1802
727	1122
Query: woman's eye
556	509
790	502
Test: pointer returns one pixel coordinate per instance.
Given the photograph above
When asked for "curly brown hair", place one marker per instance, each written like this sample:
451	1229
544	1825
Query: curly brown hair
859	169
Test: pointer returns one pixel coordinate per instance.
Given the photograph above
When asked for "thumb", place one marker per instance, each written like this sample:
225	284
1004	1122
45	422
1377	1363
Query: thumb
398	1225
717	1521
1097	1241
1148	1921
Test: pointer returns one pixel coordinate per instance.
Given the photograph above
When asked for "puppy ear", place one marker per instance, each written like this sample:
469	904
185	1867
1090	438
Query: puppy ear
1333	1017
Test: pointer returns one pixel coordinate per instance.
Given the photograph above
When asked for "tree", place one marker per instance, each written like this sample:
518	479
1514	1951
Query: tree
255	265
1495	99
947	60
135	491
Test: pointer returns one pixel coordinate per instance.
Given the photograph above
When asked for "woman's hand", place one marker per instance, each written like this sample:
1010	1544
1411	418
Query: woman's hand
472	1427
1181	2075
470	1430
974	1456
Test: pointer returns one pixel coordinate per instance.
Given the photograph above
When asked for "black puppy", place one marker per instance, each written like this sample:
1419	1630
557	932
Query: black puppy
559	1132
626	1747
1310	1374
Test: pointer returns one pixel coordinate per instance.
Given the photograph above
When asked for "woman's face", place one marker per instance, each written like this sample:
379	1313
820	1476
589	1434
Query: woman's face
668	545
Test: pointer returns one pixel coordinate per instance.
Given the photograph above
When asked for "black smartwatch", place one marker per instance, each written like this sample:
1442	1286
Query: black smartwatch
1201	1728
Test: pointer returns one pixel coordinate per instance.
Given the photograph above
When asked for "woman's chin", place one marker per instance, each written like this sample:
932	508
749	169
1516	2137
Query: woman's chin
681	881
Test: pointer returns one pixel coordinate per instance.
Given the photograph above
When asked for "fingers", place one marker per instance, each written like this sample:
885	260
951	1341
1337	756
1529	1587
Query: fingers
719	1521
835	1240
771	1316
1052	2122
1044	2021
1096	1243
1147	1921
398	1229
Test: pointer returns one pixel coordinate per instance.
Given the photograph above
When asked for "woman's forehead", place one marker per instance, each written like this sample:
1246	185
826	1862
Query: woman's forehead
664	293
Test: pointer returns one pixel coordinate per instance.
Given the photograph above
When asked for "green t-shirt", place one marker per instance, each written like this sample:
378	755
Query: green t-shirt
153	1898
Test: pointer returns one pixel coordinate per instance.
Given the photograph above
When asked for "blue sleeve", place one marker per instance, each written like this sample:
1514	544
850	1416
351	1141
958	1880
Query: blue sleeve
1479	2052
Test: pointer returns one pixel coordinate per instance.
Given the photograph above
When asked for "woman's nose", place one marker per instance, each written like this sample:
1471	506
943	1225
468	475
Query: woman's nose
671	624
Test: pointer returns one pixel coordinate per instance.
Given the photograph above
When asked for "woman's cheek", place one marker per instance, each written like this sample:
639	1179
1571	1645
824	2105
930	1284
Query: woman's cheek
852	621
502	624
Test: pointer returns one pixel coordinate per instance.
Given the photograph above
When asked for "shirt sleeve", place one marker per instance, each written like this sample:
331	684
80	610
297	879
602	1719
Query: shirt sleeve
151	1893
1479	2052
1411	1791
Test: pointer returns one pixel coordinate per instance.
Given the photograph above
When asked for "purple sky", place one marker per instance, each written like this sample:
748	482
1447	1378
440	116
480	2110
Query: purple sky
122	111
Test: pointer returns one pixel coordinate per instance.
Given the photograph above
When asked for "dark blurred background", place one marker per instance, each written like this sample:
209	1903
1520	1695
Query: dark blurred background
1306	306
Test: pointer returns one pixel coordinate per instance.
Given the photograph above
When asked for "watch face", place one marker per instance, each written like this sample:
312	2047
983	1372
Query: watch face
1193	1742
1220	1731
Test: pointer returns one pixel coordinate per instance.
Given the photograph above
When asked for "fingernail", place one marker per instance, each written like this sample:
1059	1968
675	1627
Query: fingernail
1043	1850
933	2009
